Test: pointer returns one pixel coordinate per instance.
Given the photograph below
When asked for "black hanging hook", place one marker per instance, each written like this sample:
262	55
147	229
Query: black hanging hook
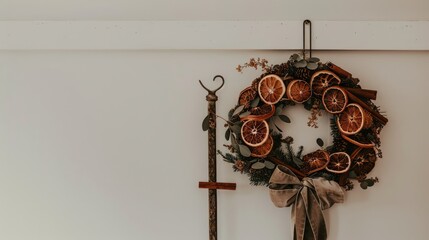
214	79
306	21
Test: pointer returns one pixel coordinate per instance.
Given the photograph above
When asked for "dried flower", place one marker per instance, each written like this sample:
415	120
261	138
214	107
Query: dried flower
315	113
239	165
230	148
255	63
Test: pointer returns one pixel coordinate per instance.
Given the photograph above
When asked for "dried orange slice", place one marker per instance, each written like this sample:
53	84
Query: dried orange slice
321	80
254	132
334	99
353	119
260	113
271	89
339	162
263	150
246	96
357	143
364	161
315	161
298	91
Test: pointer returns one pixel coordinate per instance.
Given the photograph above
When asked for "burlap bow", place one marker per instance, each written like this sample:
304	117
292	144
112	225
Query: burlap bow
309	196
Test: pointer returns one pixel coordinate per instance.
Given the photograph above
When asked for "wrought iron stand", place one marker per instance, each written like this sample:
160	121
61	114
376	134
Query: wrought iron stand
212	185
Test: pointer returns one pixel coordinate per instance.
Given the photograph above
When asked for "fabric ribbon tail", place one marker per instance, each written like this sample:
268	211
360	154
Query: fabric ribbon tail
309	198
307	217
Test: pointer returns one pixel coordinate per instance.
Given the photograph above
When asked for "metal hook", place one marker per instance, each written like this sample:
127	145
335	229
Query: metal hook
214	79
306	21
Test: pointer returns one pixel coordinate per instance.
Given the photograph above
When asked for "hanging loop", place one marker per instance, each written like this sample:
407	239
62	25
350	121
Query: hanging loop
306	22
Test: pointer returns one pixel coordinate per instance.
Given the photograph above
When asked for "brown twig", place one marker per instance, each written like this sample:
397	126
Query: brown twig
299	174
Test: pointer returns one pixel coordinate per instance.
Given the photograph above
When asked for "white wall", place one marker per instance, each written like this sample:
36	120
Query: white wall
213	10
108	144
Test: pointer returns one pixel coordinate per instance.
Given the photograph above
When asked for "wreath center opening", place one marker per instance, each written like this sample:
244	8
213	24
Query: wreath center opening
303	132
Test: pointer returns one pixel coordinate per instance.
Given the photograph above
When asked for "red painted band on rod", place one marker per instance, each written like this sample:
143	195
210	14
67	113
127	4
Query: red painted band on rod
217	185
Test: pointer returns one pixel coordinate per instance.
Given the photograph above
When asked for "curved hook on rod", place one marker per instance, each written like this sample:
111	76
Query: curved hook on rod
214	79
306	21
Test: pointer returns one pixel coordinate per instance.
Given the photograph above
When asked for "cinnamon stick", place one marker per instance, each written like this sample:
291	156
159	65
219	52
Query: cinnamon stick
355	153
365	93
338	70
375	114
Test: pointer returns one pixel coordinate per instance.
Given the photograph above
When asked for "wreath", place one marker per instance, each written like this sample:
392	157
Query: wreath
258	145
315	181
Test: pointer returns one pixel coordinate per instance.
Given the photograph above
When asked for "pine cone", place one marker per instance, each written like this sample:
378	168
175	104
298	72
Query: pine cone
303	73
280	69
275	69
340	145
255	83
